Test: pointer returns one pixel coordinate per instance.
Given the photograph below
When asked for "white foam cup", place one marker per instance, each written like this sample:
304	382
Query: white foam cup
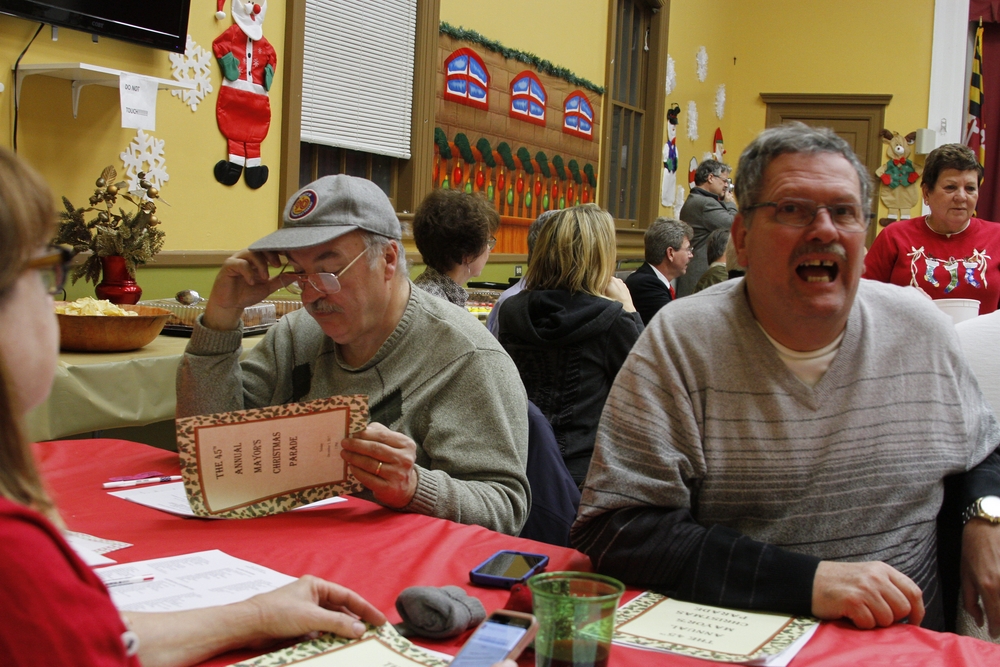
959	309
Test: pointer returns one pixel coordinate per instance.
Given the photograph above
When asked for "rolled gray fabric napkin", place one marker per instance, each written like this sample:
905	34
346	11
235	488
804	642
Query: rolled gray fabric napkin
437	613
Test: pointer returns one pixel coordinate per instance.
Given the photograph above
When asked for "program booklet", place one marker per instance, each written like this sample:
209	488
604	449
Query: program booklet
655	622
381	646
252	463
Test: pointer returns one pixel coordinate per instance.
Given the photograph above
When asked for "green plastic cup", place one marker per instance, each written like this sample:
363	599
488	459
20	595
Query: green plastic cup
576	618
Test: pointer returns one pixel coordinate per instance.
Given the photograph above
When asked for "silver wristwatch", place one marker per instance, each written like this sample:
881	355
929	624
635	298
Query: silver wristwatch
987	507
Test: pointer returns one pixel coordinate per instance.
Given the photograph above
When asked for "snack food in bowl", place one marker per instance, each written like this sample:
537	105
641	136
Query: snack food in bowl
107	332
88	305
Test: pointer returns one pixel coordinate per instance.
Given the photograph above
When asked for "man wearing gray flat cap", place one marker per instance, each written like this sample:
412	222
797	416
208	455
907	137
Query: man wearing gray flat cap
448	431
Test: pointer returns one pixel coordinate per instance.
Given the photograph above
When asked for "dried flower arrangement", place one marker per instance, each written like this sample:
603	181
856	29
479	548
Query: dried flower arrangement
134	236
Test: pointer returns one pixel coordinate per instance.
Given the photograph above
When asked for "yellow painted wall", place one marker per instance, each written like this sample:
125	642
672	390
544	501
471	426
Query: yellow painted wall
789	46
796	47
570	33
70	153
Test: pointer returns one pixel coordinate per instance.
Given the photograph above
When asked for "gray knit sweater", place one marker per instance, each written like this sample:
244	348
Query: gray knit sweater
719	477
440	378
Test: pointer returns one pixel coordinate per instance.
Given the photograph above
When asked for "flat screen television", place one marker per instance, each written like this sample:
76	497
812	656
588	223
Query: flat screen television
161	24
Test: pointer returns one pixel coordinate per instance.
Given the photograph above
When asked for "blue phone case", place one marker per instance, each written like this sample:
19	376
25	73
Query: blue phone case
496	581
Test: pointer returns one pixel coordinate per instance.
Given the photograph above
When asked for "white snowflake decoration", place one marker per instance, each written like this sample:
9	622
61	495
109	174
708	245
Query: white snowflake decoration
194	65
720	101
671	75
692	121
145	154
702	60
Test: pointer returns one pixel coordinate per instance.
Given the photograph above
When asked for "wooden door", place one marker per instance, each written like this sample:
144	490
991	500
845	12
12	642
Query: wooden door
857	119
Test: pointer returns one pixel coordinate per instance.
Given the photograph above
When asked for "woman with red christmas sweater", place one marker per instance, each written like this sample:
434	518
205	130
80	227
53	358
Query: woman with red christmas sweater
55	610
948	254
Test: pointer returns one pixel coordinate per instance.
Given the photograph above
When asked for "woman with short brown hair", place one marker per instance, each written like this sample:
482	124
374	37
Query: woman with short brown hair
948	254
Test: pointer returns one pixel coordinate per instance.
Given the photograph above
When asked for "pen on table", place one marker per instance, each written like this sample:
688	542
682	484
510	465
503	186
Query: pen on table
137	482
129	580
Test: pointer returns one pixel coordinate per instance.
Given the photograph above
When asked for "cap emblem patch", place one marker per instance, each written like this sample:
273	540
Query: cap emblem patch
303	206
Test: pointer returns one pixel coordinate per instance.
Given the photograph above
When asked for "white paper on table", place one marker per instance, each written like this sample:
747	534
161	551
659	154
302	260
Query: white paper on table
191	581
364	652
381	646
785	657
171	498
654	622
138	101
91	558
92	543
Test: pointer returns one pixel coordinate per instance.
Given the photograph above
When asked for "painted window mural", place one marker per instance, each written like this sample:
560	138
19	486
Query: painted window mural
511	147
466	79
578	116
527	98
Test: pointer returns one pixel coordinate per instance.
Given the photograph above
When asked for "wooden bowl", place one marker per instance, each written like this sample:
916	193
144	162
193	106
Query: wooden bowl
103	333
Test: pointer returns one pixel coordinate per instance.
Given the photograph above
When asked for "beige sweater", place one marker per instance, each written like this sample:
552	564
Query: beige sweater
439	378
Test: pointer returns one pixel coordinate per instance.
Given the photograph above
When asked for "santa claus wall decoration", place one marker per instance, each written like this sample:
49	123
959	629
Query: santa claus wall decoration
248	63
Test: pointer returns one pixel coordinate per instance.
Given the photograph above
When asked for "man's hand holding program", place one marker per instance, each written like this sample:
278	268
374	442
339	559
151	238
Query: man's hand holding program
385	462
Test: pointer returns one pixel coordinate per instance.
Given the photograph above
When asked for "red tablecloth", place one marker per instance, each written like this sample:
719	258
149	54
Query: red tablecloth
379	552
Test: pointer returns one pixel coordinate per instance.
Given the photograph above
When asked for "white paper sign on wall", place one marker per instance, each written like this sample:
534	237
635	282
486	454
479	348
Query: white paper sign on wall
138	100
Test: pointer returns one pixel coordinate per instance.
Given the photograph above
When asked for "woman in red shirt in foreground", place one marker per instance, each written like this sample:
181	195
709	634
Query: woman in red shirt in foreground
55	610
948	254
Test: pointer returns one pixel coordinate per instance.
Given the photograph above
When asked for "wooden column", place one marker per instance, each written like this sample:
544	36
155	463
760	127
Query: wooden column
415	174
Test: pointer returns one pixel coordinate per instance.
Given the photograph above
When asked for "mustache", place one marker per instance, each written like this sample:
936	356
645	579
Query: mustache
820	249
321	307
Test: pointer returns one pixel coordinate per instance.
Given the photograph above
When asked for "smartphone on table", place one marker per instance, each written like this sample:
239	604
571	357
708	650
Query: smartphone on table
506	568
504	634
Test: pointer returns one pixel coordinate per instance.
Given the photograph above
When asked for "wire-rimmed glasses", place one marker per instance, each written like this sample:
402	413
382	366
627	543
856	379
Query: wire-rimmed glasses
325	283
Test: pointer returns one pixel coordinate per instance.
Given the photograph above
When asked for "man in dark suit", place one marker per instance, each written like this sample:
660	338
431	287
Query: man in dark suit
711	206
668	250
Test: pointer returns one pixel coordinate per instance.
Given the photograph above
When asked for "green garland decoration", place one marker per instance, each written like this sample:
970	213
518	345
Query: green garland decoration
442	143
525	157
503	148
540	64
557	162
483	146
543	164
464	148
557	167
574	170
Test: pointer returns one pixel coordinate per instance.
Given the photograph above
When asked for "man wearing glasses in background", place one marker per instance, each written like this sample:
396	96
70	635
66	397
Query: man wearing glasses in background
448	432
710	206
781	442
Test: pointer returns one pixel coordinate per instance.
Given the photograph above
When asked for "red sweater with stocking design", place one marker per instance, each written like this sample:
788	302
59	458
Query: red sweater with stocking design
965	265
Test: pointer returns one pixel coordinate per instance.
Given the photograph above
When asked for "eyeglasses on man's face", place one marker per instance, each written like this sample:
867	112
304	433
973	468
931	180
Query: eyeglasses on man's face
801	213
324	283
492	243
53	266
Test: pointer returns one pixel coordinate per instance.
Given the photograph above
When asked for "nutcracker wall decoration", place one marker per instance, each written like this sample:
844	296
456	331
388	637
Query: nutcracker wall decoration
243	110
668	184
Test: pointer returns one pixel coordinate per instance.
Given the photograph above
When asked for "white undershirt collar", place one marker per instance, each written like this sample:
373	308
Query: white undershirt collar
809	366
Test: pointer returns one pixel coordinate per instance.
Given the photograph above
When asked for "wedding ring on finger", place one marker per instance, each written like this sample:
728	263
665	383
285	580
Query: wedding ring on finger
378	469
